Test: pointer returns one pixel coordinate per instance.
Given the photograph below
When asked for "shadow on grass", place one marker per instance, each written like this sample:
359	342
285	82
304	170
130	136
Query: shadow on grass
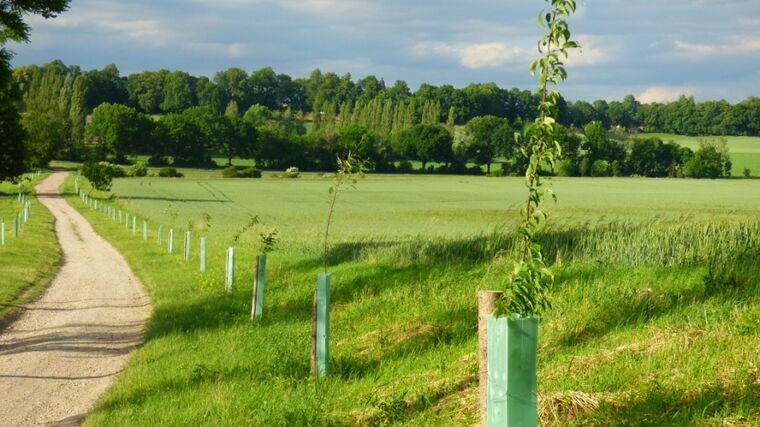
211	312
172	199
665	406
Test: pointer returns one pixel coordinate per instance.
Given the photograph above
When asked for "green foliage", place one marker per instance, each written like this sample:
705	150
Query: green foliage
12	25
292	172
120	130
169	172
601	168
567	167
138	169
531	279
230	172
651	157
747	173
13	151
711	160
427	143
99	174
488	137
234	172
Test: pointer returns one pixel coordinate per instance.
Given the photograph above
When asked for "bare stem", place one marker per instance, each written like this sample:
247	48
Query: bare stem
338	182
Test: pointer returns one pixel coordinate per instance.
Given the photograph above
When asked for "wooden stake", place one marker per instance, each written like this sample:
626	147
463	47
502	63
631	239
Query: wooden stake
486	305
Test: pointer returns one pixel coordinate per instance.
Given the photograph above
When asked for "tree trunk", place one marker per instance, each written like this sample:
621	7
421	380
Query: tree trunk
488	168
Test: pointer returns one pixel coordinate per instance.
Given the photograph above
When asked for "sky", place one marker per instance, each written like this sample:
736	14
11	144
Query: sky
653	49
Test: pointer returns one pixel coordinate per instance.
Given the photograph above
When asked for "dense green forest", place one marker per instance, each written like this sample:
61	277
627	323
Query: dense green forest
280	121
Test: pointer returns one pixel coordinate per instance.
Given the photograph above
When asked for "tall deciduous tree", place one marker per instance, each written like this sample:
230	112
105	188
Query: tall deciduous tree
13	28
120	130
488	137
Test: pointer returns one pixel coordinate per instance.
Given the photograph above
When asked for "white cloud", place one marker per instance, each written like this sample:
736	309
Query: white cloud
146	30
735	46
332	8
472	56
593	51
230	50
487	55
663	94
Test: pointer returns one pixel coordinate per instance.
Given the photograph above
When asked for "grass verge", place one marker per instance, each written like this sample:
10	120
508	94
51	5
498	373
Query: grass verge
28	262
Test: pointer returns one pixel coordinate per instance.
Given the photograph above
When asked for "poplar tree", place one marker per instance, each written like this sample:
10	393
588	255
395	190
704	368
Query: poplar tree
77	109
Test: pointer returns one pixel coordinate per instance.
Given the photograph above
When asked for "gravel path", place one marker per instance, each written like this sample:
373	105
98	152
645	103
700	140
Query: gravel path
65	349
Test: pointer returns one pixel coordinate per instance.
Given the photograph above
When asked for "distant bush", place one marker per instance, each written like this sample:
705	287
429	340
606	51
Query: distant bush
138	169
600	168
118	171
230	172
747	173
617	168
709	161
158	161
169	172
585	167
249	173
100	174
567	167
405	166
496	173
234	172
292	172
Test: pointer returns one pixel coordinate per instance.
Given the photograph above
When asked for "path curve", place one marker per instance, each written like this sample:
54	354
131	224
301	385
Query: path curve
65	349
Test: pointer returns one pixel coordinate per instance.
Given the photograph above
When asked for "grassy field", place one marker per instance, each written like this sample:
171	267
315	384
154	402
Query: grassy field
642	332
744	150
28	262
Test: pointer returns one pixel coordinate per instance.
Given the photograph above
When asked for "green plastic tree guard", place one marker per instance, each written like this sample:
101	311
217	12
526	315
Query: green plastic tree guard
160	235
170	241
145	230
2	233
323	324
258	296
512	389
134	224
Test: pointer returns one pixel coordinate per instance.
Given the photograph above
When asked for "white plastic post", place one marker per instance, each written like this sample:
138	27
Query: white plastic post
187	246
2	233
145	230
230	279
203	254
134	224
171	241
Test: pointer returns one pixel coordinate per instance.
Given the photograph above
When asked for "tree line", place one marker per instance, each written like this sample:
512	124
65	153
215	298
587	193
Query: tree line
280	121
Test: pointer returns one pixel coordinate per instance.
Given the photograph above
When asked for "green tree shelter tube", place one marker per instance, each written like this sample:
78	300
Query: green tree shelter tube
512	384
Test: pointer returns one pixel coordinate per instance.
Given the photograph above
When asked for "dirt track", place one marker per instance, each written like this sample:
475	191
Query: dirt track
67	347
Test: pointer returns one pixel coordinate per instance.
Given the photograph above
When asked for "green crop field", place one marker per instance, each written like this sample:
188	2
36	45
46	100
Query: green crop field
28	262
655	317
744	150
